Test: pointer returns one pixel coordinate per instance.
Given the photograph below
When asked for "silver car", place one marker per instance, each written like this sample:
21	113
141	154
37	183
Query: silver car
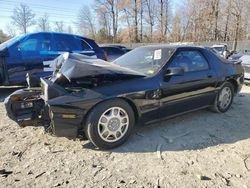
246	65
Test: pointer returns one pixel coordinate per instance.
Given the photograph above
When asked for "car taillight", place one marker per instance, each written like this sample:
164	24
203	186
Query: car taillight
105	56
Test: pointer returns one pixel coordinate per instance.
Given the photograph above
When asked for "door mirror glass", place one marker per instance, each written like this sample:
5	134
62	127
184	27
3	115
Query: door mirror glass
174	71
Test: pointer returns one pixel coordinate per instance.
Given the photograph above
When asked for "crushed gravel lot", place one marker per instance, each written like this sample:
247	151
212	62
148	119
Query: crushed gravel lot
199	149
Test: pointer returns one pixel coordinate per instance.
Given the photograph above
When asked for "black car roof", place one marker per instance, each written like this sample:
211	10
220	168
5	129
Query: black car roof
173	46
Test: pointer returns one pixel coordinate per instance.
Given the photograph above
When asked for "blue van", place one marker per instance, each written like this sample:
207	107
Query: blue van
27	54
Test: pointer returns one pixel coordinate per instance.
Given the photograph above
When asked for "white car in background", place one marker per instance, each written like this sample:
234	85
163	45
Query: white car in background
246	65
221	49
244	56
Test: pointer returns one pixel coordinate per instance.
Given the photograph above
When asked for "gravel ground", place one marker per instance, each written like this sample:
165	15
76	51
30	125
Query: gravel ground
199	149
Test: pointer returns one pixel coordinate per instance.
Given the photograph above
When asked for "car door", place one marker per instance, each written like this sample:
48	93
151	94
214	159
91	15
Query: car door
60	43
24	56
194	89
47	53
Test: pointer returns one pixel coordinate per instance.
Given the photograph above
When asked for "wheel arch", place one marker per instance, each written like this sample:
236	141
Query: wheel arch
133	106
234	84
129	101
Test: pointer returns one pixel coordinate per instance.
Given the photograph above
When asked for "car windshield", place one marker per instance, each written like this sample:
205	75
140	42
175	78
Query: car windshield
145	60
9	42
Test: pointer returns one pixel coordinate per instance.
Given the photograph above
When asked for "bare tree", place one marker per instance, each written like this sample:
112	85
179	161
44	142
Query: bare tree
141	18
104	21
192	20
10	30
23	17
112	8
86	21
228	16
127	17
163	18
216	15
3	36
238	6
59	26
69	29
151	16
132	12
167	14
43	23
136	20
176	30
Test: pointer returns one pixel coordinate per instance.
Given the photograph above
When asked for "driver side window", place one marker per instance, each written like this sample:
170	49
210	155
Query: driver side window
28	45
190	61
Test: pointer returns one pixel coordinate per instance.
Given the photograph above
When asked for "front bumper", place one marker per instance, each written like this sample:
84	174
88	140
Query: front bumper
65	122
28	108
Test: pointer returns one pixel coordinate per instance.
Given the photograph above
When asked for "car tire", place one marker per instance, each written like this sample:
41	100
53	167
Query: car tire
224	98
110	123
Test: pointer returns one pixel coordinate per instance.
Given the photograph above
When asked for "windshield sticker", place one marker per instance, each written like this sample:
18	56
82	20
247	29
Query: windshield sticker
157	54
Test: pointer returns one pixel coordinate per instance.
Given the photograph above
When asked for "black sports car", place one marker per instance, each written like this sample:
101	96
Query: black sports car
105	100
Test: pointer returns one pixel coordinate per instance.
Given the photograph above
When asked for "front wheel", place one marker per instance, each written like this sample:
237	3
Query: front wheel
224	98
110	123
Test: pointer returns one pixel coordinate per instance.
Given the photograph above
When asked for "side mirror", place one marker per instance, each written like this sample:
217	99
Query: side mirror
174	71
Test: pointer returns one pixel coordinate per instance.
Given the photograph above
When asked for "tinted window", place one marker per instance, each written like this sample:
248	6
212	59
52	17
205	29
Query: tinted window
37	42
190	61
70	43
46	44
30	43
64	42
82	45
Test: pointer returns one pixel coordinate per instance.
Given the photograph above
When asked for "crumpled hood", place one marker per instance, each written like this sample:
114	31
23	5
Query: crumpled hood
74	66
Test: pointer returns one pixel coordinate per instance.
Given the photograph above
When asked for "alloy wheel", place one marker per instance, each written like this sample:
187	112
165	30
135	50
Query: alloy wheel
113	124
225	98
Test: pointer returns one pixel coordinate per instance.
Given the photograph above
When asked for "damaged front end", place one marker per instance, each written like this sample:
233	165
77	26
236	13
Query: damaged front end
47	106
61	102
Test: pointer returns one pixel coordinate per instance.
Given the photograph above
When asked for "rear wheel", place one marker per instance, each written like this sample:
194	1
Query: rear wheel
110	123
224	98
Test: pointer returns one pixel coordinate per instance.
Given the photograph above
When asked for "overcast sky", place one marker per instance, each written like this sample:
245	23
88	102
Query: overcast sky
58	10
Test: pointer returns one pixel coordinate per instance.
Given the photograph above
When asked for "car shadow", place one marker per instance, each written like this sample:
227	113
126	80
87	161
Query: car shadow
192	131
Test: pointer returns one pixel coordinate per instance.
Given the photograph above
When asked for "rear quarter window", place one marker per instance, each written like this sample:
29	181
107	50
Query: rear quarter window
82	44
71	43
